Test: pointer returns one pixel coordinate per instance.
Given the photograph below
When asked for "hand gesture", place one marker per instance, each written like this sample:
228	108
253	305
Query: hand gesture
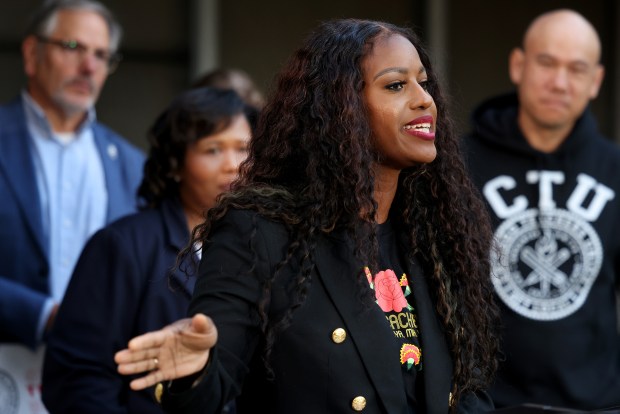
178	350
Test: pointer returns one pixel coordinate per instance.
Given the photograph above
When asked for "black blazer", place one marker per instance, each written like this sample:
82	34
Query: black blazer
314	373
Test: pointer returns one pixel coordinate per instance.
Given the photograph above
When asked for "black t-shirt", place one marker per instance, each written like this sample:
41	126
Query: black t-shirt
392	288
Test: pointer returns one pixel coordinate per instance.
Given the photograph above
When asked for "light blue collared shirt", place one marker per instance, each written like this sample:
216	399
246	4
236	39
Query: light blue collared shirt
72	191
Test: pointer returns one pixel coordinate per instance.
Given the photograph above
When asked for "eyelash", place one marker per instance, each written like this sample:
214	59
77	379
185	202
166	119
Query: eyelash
397	86
217	151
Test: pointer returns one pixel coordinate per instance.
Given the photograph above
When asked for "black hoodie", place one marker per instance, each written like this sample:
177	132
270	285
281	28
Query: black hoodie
557	222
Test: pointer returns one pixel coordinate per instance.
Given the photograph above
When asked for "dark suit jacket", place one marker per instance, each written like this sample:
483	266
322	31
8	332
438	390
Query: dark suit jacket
313	373
24	264
120	289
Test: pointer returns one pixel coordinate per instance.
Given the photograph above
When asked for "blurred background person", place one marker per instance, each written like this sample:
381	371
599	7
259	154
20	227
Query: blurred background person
552	183
236	79
63	175
125	282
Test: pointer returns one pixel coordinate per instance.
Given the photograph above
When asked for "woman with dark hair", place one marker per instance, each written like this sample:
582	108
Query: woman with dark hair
124	283
348	268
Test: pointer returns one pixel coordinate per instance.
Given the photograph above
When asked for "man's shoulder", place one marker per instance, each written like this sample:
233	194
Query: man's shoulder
12	125
587	135
11	112
111	137
103	131
607	154
135	225
608	144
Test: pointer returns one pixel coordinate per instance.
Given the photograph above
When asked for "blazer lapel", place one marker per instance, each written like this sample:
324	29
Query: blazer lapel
16	161
110	158
177	239
368	329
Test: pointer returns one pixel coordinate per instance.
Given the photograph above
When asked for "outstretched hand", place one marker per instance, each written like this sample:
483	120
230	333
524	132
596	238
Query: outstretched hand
178	350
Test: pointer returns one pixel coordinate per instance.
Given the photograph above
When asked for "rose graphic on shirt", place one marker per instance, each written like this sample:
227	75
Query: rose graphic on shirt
388	291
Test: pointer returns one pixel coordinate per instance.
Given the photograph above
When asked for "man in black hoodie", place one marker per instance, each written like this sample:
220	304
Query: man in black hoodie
552	184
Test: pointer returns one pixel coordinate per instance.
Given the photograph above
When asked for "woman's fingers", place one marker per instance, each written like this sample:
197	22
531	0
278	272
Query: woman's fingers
201	323
179	349
142	365
200	334
147	381
151	339
127	356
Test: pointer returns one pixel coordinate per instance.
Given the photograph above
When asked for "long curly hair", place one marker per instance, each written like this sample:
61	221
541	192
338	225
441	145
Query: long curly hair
193	115
309	168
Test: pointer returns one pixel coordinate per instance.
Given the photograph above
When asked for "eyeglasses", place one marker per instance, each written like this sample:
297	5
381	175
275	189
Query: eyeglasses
77	51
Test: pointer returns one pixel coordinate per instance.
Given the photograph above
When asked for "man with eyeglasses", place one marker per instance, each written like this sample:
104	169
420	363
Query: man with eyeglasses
63	175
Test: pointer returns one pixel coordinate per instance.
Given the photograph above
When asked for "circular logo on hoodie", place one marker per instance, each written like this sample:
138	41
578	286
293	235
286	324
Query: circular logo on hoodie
545	263
9	396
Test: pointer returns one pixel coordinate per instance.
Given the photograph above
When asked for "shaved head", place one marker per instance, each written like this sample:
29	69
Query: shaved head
568	24
557	73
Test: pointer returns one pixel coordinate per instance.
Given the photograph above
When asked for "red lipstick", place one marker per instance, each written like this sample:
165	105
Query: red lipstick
421	127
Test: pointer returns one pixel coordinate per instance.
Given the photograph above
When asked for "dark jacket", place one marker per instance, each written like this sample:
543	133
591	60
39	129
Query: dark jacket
557	220
122	287
313	372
